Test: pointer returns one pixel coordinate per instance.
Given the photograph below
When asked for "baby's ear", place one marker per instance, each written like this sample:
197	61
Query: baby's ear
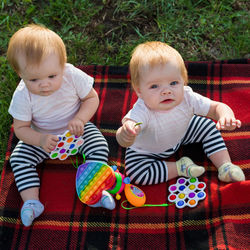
137	90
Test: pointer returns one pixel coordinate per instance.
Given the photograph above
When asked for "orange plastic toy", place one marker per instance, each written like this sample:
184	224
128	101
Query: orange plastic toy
135	195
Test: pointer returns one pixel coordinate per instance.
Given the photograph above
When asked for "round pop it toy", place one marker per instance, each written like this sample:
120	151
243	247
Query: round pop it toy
187	192
67	145
91	179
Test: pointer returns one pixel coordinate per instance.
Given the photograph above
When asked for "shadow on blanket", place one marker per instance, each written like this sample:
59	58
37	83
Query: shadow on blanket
221	221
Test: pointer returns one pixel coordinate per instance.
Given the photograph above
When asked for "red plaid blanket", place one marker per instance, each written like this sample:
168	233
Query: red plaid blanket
221	221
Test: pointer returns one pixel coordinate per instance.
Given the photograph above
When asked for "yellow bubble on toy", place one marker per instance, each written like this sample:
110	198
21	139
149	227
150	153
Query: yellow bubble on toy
135	195
68	134
118	197
191	187
181	196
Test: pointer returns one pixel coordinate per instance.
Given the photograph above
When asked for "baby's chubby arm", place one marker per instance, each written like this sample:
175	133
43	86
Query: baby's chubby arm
127	133
87	109
28	135
224	116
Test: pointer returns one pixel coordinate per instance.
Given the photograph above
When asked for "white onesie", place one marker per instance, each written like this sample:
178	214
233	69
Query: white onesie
51	114
163	130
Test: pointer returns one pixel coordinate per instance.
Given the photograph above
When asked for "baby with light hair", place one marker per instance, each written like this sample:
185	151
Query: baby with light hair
53	96
168	114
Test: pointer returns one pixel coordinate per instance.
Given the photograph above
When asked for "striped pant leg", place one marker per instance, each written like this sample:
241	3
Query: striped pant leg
95	146
147	168
23	162
203	130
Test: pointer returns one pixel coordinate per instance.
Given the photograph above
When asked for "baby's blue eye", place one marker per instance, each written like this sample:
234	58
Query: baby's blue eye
154	86
173	83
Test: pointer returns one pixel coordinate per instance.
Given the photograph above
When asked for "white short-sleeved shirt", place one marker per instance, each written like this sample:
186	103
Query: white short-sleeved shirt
51	114
163	130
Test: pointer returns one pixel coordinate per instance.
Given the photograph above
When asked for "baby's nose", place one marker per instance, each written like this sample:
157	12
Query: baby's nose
44	83
165	91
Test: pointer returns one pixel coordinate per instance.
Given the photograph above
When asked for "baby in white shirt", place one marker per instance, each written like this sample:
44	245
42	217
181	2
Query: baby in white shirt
52	97
168	114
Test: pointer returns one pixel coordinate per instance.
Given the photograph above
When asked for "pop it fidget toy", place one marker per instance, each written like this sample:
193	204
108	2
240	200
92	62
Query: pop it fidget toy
187	192
67	145
91	179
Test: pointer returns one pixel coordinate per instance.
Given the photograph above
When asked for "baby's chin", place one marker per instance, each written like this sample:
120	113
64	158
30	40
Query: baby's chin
161	110
163	107
46	93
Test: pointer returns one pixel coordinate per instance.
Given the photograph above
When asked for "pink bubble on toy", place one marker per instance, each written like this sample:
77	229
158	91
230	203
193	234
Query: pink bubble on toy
67	145
187	192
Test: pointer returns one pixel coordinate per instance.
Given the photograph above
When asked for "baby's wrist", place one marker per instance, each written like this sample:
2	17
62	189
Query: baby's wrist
41	140
81	119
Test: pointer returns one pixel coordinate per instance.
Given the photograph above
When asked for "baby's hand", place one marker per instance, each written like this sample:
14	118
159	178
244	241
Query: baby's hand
48	142
76	127
130	129
228	123
127	133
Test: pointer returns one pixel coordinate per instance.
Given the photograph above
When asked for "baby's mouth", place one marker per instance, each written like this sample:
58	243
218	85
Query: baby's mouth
167	101
45	92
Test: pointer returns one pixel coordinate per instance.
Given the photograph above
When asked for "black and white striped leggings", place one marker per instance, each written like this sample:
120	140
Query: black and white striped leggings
25	157
149	168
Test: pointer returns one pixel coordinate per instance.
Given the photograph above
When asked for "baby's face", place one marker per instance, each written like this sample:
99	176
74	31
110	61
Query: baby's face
43	79
161	87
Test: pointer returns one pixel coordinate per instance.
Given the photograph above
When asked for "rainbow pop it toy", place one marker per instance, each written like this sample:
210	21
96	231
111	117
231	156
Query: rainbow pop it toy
187	192
67	145
91	179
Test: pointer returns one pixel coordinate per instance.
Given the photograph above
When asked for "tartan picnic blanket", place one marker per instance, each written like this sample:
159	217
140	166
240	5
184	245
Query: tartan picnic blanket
220	221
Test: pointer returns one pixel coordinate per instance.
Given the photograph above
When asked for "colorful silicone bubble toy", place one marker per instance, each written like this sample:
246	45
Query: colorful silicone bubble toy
187	192
67	145
91	179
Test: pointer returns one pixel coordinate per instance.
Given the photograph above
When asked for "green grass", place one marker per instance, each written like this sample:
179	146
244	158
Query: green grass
105	32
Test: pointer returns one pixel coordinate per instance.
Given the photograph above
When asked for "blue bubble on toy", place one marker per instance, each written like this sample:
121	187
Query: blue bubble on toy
180	203
200	195
114	167
126	180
